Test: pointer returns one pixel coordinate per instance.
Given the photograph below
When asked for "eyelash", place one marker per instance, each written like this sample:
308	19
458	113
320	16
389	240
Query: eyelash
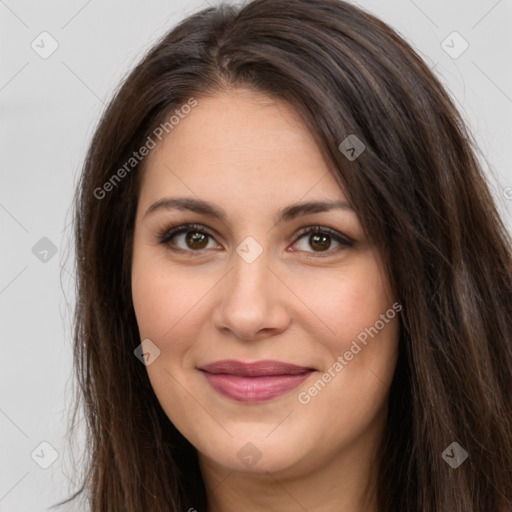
166	236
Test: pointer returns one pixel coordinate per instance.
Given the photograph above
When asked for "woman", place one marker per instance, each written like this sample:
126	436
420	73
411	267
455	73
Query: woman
294	286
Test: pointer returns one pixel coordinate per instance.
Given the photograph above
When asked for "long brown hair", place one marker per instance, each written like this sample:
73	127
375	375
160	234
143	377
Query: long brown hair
421	197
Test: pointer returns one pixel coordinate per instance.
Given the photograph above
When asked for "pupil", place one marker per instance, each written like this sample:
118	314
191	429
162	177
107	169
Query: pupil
321	242
196	240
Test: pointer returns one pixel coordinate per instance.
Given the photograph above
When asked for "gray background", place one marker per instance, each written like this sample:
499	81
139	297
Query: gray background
49	108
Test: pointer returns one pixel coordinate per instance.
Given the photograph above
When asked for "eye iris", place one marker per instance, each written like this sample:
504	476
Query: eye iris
319	241
196	240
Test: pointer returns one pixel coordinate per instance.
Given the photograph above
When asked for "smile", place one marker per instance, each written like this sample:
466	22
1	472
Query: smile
254	382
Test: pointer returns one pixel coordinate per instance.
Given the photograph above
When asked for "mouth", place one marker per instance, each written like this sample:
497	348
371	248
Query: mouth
254	382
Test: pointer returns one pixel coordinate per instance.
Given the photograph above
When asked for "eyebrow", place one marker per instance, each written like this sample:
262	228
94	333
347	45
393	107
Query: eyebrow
205	208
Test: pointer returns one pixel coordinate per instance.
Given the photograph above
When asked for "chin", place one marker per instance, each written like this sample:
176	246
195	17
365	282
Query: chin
254	451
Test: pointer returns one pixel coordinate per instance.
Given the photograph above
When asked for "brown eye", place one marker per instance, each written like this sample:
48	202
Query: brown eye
320	242
319	239
187	238
196	240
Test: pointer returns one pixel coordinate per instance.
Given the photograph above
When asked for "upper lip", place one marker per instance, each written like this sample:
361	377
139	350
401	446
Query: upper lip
256	369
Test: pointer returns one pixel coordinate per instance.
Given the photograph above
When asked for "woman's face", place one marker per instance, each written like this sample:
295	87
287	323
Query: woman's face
248	285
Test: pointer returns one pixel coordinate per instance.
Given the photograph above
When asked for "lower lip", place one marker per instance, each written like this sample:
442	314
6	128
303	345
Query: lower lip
254	389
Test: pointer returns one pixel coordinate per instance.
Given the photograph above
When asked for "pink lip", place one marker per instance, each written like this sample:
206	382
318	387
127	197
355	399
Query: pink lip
254	382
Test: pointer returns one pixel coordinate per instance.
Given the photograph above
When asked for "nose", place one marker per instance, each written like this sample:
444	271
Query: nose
250	305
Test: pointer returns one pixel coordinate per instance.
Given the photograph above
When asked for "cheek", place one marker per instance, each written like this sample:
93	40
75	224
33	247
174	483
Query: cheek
349	301
155	308
168	302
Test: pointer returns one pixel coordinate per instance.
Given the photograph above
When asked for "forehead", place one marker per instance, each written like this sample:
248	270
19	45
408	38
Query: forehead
238	141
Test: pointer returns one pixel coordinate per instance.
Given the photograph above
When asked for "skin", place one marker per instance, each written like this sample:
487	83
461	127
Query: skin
251	155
